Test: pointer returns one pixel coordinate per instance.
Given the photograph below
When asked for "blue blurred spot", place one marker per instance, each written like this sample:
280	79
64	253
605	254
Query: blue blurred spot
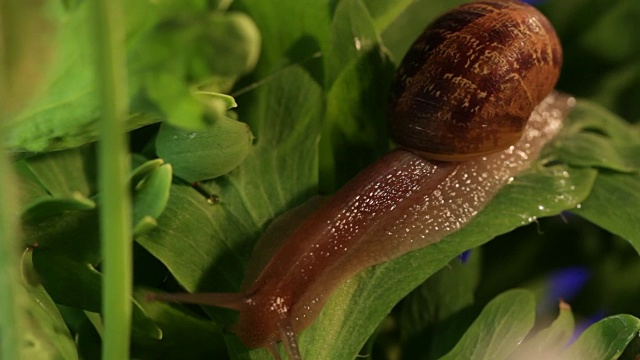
563	284
464	257
566	283
534	2
566	215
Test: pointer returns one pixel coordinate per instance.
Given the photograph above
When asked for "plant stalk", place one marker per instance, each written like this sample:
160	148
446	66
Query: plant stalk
113	168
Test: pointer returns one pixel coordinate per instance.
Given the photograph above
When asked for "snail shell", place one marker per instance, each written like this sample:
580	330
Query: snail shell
468	84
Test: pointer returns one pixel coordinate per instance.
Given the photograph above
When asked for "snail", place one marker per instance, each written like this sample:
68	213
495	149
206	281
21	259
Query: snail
471	106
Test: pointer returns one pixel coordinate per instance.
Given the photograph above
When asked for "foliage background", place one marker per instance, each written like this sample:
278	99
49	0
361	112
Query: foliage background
310	80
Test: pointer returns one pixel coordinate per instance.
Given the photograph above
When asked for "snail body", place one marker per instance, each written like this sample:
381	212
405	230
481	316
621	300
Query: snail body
405	200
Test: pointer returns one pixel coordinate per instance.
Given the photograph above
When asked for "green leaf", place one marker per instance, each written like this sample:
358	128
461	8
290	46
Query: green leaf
234	44
385	12
205	245
89	341
605	339
46	335
147	223
436	313
446	292
68	178
501	326
551	341
176	100
67	100
30	187
48	206
595	137
225	101
183	335
204	155
355	120
305	34
352	35
595	150
144	169
65	173
79	285
65	257
188	235
614	204
150	198
172	48
228	47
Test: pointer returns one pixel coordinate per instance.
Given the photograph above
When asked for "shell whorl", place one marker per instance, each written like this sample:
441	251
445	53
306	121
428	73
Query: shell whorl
468	84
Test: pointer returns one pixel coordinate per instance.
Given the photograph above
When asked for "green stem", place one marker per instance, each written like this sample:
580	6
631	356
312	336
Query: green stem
113	165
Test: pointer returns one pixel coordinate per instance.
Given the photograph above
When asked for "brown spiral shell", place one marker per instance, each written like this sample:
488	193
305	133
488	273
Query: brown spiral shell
468	84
